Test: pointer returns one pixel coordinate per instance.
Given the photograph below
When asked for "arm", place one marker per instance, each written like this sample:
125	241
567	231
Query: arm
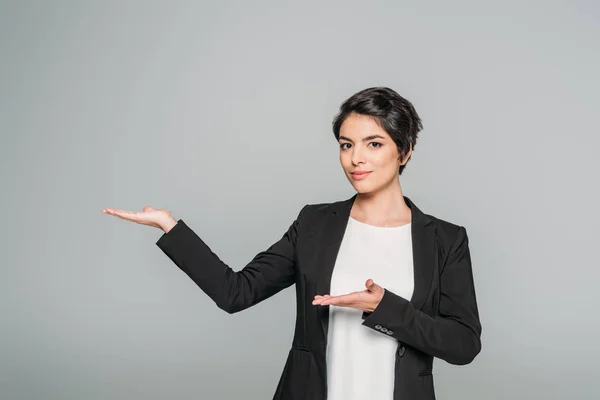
268	273
453	335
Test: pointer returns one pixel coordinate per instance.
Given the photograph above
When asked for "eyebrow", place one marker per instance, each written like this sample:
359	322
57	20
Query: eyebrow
364	139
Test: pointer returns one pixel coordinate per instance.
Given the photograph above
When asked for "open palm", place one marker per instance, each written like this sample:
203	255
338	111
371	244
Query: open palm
364	300
161	218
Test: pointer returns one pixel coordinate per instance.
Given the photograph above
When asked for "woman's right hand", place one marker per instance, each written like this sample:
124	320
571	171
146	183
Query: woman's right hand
161	219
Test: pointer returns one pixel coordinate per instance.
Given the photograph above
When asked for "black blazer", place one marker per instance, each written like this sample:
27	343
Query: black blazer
440	320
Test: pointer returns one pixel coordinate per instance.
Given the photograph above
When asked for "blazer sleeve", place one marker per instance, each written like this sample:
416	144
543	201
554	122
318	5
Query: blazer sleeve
454	334
269	272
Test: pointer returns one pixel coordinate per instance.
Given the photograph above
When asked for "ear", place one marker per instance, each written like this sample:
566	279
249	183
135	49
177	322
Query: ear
406	156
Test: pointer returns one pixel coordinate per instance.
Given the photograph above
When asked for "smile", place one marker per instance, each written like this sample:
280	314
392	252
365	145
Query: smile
360	175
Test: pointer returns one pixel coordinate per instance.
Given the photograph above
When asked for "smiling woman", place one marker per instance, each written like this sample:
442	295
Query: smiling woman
382	287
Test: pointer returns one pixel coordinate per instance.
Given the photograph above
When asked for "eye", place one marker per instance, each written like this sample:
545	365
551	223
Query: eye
344	144
377	144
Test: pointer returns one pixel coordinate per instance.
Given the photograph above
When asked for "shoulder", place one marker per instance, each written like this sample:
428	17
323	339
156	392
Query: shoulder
316	217
445	228
451	237
322	209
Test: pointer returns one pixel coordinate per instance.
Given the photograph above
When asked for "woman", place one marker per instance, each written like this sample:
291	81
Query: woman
381	287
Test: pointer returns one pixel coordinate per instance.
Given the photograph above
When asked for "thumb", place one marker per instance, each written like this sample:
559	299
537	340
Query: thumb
372	286
148	208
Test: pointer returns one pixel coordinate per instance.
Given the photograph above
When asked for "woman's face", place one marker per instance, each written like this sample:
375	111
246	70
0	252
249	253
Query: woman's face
368	155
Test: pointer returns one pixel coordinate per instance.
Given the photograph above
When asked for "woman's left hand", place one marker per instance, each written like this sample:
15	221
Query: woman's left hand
366	300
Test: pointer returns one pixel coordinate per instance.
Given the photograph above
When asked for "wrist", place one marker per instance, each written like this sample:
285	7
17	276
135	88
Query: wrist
168	225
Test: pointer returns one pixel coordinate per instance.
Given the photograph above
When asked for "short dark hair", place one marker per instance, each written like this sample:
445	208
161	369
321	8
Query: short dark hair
392	112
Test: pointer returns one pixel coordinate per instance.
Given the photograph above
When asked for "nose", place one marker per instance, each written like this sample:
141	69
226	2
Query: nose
357	156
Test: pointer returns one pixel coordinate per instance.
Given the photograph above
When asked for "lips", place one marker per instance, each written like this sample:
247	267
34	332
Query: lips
360	175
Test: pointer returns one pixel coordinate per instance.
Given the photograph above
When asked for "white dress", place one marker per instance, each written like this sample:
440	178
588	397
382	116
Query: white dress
361	360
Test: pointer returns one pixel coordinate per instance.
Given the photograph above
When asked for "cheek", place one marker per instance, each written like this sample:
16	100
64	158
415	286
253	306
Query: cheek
345	160
386	162
383	161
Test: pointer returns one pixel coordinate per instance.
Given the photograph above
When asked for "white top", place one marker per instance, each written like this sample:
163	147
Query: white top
361	360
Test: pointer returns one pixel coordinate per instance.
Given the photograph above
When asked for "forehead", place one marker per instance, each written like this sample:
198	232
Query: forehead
357	126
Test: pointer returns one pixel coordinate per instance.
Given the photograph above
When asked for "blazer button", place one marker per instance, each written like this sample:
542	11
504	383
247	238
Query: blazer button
384	330
377	326
401	350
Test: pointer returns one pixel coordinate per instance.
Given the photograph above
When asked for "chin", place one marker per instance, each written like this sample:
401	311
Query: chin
368	187
362	189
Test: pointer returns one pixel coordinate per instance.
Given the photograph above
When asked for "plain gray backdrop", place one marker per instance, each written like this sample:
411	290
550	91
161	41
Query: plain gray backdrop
221	112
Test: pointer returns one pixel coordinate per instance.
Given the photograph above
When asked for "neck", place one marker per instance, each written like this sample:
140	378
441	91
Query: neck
386	204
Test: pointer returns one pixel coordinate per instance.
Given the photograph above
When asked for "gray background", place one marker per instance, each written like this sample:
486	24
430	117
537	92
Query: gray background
221	112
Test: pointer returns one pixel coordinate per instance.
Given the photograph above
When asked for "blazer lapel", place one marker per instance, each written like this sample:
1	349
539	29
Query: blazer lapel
424	254
333	233
423	243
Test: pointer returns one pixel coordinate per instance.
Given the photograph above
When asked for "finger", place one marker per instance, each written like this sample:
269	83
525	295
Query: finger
318	298
338	303
125	218
112	210
372	286
126	215
148	208
342	300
